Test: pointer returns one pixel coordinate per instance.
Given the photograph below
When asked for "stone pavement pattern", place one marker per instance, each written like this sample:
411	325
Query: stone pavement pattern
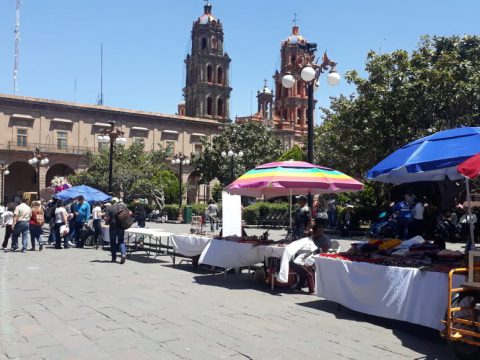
75	304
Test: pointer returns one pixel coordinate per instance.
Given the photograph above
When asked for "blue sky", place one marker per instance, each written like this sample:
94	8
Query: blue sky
146	41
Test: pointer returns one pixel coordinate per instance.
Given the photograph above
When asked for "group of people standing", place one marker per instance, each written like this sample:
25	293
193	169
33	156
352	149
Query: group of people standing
25	221
67	222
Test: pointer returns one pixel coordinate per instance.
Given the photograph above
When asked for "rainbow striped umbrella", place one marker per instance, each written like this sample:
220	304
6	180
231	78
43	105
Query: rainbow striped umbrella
292	177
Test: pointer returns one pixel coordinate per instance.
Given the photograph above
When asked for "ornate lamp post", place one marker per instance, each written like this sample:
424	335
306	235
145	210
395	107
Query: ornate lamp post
232	155
111	135
306	68
4	171
38	159
180	160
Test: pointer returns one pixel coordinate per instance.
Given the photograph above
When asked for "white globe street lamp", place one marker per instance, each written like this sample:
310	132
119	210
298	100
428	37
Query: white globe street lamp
308	73
288	81
333	78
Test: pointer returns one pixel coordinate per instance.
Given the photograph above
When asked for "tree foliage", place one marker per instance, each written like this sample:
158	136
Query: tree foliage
404	97
135	173
295	153
255	140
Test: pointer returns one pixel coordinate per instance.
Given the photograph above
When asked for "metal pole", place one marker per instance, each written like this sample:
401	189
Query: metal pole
471	244
231	170
310	109
180	181
110	167
38	179
3	186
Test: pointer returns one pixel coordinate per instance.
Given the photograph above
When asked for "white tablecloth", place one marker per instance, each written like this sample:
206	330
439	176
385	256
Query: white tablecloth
286	254
230	254
189	244
407	294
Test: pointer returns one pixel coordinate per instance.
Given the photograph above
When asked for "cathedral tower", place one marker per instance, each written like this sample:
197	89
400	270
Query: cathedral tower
207	90
291	104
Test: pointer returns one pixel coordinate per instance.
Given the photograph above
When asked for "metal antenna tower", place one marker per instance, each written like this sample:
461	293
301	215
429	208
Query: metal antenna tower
100	96
17	46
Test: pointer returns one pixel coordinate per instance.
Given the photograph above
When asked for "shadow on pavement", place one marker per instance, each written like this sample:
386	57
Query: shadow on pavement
144	259
419	338
239	282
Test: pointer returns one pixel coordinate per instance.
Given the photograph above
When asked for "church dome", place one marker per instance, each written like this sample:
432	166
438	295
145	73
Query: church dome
207	16
266	90
295	38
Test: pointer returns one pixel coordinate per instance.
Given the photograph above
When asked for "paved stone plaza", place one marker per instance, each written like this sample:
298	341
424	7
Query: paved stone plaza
75	304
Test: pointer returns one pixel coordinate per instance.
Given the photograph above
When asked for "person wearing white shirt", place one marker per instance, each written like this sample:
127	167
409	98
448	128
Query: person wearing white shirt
97	222
416	226
7	222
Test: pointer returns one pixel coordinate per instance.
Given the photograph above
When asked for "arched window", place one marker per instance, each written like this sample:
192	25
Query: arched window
299	88
219	75
209	106
204	43
220	110
209	73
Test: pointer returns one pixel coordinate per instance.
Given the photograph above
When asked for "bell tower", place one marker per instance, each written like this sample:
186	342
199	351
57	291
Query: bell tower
291	104
207	90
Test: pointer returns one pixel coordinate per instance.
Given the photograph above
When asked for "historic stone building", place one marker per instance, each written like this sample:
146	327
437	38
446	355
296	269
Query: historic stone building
65	131
285	110
207	90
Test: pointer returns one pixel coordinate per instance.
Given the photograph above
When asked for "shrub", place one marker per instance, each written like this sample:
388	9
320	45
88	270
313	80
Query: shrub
172	211
198	209
253	213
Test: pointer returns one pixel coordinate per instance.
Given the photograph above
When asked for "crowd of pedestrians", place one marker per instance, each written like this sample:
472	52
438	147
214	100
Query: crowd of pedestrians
68	223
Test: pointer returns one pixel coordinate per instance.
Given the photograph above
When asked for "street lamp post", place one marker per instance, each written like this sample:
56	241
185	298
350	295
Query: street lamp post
232	155
36	160
307	69
4	171
111	135
180	160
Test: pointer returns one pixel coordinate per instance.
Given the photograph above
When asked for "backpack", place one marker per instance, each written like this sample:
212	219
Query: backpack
49	213
123	218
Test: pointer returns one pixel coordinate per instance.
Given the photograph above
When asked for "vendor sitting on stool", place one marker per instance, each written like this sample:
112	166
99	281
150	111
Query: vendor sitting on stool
303	261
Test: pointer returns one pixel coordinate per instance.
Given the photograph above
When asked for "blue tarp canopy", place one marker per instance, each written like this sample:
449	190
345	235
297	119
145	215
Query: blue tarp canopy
90	194
432	158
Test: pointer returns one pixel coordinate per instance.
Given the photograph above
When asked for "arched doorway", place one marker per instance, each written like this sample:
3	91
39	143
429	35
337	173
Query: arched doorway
57	170
192	187
22	178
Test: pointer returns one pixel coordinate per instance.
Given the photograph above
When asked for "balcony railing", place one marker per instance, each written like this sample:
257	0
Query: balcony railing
49	148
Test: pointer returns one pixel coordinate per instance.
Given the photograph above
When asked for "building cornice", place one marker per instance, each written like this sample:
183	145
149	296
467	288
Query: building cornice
103	109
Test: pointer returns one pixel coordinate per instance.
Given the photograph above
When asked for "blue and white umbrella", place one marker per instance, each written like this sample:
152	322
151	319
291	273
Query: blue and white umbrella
432	158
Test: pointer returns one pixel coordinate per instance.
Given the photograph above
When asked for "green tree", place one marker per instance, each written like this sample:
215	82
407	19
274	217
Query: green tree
404	97
135	173
295	153
255	140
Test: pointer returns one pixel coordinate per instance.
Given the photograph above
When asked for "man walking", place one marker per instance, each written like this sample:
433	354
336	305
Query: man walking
21	217
82	213
116	231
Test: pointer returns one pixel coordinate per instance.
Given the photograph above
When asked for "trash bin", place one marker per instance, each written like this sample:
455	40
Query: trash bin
187	214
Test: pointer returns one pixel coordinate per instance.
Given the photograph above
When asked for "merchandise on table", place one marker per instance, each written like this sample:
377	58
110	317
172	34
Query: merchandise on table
415	253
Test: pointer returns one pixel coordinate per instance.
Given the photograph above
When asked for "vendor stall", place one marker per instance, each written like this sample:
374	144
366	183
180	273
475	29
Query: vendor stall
189	245
151	241
406	294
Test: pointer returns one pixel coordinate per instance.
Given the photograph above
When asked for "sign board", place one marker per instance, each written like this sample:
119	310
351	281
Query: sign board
231	214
